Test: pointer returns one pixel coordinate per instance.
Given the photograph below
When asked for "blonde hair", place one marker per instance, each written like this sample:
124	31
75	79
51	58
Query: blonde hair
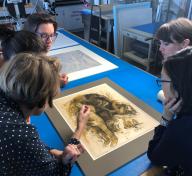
30	79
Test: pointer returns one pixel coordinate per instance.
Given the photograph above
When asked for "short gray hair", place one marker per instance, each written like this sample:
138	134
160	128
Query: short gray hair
30	79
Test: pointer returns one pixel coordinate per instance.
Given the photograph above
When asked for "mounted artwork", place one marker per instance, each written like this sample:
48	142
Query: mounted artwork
79	62
118	130
62	41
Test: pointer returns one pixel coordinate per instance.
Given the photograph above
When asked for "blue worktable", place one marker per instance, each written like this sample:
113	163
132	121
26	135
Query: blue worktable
148	28
134	80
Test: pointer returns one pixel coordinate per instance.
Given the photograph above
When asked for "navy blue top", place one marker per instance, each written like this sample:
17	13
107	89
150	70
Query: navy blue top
172	145
21	150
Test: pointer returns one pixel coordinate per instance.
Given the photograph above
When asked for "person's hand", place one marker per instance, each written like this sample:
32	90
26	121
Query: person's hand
80	148
71	153
161	96
82	121
63	79
83	117
57	153
171	107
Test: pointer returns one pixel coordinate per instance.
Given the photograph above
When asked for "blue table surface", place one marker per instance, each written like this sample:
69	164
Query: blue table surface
148	28
86	11
137	82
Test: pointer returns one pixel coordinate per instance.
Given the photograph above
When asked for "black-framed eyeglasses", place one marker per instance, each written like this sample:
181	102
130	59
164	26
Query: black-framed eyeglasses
160	81
46	36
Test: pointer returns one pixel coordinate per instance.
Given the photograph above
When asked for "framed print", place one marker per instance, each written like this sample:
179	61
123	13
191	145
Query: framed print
62	41
118	130
79	62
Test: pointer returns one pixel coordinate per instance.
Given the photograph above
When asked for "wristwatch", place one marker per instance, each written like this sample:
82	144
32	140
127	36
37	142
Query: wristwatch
74	141
164	122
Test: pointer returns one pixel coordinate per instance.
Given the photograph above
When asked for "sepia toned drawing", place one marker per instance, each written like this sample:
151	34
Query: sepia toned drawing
119	128
114	120
105	116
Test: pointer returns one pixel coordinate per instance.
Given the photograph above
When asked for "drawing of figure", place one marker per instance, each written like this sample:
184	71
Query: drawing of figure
106	115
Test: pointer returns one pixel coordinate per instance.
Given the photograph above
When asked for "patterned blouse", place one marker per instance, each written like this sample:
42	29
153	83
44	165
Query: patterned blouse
22	153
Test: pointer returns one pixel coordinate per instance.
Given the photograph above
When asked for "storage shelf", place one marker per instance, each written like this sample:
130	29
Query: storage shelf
131	55
137	47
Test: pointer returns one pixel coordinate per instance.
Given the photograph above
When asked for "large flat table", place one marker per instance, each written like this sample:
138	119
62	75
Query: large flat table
134	80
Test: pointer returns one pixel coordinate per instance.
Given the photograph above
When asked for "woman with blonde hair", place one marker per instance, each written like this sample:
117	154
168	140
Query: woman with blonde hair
28	84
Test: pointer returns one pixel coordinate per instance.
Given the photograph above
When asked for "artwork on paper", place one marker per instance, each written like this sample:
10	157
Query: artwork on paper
63	41
114	120
79	62
75	61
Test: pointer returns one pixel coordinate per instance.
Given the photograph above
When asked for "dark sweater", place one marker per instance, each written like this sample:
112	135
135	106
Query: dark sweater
172	145
22	153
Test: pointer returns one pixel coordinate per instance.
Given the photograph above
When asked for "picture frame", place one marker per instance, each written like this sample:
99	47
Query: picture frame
62	41
79	62
108	157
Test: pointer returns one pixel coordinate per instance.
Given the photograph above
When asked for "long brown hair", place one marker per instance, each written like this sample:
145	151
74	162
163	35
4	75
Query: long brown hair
14	42
178	67
177	30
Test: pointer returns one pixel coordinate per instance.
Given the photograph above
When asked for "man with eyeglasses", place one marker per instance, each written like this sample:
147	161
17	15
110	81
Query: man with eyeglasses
48	39
45	26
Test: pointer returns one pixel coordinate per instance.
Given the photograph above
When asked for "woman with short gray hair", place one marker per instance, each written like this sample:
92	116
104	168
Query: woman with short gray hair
28	84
